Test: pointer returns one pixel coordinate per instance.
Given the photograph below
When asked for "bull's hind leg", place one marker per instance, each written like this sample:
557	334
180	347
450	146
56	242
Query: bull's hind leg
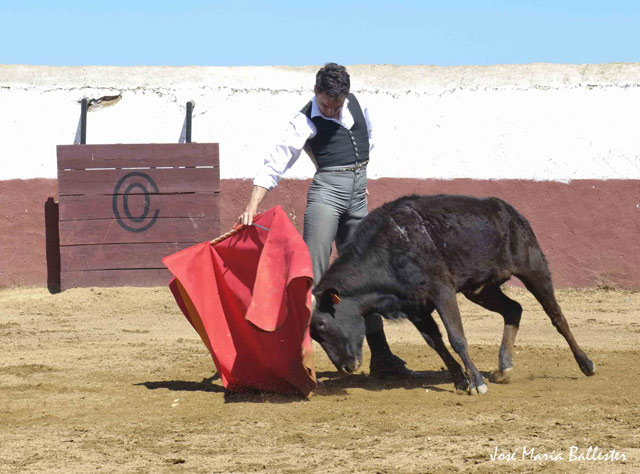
429	330
539	284
447	306
492	298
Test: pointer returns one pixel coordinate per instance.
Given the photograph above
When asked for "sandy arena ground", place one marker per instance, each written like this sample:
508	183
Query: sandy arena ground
116	380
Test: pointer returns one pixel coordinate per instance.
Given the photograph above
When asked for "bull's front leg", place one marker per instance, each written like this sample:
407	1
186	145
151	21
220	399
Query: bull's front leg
447	307
431	334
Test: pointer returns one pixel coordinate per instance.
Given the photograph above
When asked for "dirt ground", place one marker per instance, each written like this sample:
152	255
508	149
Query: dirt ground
116	380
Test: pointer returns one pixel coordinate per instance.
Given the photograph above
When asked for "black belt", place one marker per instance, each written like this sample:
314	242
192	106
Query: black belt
355	167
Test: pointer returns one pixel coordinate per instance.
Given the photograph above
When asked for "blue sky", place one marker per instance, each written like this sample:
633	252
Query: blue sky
242	32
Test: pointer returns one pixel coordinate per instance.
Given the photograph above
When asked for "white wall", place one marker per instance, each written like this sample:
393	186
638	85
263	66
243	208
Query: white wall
540	121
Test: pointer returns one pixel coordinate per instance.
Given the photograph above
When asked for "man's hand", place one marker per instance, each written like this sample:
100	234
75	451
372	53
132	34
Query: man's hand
246	218
257	194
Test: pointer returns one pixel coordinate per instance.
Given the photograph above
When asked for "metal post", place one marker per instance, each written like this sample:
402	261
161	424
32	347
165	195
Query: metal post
189	114
83	121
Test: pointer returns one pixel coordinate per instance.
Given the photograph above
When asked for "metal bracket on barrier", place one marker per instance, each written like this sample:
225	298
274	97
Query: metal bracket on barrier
81	131
190	105
84	105
81	134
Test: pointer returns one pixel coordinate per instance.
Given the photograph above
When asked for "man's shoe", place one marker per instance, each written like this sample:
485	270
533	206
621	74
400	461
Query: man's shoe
390	367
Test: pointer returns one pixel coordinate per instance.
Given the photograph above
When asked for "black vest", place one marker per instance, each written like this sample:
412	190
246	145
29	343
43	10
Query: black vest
334	145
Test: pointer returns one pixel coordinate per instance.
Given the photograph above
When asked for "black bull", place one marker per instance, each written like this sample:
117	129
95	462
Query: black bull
412	255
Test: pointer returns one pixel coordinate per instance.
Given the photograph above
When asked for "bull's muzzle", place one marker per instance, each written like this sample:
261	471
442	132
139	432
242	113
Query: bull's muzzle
350	366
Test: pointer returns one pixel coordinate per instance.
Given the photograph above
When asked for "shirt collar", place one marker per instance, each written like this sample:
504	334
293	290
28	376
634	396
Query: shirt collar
346	120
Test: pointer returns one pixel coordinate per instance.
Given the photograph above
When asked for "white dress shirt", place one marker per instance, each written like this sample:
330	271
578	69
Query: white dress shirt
300	129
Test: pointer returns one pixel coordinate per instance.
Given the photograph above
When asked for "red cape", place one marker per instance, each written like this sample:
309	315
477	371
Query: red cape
249	299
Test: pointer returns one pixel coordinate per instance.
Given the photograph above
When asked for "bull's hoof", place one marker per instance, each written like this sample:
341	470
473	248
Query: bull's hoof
588	367
480	389
462	384
500	376
390	367
460	380
476	388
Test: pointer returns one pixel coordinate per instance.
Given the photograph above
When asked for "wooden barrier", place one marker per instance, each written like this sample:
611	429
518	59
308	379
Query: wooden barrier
124	207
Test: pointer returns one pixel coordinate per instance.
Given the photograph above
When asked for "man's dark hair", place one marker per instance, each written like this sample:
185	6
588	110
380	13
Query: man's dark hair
333	80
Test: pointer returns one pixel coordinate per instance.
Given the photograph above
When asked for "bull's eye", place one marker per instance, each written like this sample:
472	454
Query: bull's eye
321	326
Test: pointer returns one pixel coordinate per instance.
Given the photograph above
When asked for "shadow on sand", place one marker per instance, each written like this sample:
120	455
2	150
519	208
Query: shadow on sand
336	383
208	385
329	384
205	385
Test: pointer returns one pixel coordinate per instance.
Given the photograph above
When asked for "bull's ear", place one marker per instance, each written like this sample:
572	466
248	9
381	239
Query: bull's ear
328	299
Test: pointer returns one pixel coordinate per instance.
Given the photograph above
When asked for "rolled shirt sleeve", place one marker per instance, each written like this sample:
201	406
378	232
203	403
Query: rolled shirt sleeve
292	141
286	151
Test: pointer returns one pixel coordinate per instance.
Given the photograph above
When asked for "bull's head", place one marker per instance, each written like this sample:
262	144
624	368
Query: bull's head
337	324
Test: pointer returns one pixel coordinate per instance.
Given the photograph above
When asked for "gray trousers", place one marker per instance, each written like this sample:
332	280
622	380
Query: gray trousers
336	203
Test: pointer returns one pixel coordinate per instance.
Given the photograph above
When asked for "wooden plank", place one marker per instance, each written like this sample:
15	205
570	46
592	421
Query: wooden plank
117	256
117	223
111	278
111	231
169	205
78	157
176	180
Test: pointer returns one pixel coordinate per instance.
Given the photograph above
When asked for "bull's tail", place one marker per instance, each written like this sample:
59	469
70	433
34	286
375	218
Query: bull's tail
526	255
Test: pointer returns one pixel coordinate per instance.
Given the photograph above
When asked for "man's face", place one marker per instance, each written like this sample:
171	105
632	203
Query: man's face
329	107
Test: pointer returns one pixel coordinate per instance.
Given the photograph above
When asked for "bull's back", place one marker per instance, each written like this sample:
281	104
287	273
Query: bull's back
464	221
477	239
472	240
